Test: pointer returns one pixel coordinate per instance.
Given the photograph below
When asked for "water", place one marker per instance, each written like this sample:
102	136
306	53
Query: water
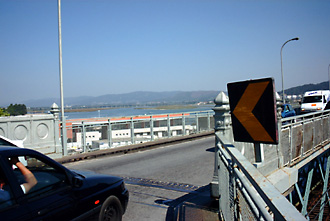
131	111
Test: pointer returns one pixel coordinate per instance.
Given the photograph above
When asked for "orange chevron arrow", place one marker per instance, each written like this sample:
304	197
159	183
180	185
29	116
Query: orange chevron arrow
244	108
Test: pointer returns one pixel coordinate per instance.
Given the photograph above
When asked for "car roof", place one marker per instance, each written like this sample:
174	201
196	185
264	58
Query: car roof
12	150
4	148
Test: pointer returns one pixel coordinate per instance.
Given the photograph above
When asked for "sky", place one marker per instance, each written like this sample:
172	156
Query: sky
122	46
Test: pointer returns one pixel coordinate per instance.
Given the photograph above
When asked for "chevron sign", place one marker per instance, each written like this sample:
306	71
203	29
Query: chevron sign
253	111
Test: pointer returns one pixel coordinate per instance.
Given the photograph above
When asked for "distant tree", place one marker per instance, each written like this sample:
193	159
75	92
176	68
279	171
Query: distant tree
3	112
16	109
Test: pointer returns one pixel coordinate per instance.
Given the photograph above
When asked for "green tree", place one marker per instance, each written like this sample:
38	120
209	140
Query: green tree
16	109
3	112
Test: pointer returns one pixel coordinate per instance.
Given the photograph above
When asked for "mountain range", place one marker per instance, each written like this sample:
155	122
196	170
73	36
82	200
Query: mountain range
306	87
133	98
153	98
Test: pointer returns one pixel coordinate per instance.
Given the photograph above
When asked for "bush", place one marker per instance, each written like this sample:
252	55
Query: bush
17	109
3	112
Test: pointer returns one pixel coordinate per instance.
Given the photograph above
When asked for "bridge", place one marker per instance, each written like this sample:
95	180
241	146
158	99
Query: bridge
288	181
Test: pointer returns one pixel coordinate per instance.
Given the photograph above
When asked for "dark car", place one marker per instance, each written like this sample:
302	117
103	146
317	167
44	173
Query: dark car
58	193
287	111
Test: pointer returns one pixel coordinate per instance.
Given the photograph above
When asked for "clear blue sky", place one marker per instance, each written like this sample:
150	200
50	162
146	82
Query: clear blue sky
120	46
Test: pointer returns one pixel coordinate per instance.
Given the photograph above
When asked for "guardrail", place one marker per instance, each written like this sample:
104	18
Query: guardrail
245	194
94	134
303	134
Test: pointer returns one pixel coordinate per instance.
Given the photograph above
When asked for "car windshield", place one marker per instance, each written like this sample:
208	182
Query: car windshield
286	108
312	99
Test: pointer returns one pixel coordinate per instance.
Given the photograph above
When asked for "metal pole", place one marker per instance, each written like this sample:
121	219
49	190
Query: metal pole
152	129
168	126
132	131
329	75
293	39
83	136
63	128
197	125
109	134
183	125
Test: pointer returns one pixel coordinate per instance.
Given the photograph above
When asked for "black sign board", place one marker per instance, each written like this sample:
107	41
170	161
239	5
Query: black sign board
253	111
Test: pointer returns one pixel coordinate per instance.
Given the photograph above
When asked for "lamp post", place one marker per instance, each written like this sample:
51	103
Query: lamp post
63	128
293	39
329	75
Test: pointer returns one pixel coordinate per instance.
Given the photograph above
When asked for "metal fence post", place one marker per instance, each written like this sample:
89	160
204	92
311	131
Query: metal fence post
168	126
314	133
83	136
208	121
197	125
132	130
183	125
152	129
64	137
109	134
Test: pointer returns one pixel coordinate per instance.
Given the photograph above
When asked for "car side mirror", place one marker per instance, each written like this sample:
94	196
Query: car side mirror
77	181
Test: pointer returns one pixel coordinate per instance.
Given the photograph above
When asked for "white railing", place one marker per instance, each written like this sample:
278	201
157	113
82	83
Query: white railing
95	134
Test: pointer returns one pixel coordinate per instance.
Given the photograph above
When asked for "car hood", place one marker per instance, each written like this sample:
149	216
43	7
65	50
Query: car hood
92	176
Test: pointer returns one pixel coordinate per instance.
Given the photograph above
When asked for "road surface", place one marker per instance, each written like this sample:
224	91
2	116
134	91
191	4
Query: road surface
158	179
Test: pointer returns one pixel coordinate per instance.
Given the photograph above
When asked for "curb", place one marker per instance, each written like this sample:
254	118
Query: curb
132	148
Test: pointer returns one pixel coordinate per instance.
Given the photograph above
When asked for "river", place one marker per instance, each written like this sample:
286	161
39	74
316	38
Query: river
131	111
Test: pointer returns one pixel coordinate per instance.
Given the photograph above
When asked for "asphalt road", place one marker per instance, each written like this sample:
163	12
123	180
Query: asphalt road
160	178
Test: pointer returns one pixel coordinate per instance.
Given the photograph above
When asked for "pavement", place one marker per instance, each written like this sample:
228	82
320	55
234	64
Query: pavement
197	205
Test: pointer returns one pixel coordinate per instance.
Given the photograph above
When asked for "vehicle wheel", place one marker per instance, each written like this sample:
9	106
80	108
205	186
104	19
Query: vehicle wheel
111	210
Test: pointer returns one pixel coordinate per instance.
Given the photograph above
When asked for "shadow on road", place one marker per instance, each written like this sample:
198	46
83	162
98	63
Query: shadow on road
212	149
197	205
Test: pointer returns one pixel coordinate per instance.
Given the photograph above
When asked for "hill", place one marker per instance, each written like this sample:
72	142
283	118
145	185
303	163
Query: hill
134	98
307	87
152	98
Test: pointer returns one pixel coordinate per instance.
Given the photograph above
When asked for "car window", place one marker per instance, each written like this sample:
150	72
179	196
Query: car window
6	196
48	178
312	99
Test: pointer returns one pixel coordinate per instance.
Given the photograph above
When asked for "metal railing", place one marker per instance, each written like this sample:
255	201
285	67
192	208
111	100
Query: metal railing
303	134
94	134
252	188
245	194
